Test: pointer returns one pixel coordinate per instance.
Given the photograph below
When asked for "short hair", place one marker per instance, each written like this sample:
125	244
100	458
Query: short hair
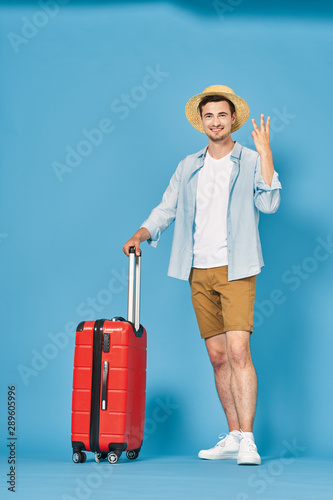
216	98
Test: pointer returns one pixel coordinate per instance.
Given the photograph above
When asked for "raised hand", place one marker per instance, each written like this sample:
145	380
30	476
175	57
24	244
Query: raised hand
261	137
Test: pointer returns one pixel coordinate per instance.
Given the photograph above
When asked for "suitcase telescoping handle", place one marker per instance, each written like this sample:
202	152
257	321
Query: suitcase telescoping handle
134	274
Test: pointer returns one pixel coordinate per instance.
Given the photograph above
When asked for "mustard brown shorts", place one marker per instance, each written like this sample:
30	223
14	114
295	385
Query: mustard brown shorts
221	305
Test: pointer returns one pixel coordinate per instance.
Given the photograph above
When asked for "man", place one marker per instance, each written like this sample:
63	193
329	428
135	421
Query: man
214	197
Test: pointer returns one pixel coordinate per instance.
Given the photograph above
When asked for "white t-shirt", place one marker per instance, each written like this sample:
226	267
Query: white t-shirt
210	224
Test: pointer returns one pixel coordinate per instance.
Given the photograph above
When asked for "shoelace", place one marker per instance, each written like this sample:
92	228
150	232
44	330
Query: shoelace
223	440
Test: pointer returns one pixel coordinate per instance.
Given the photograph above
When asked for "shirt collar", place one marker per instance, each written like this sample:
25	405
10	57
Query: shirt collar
235	152
200	158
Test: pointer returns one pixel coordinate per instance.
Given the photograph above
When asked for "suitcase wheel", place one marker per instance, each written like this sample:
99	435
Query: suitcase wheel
100	456
113	457
132	454
79	457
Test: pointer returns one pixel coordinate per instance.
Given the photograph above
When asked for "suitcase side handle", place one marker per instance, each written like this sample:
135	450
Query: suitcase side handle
104	386
134	275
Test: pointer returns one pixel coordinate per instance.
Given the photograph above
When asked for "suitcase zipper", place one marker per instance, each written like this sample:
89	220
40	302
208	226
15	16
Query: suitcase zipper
96	385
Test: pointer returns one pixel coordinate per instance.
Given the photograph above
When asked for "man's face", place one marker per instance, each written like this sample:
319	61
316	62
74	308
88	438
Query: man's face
216	120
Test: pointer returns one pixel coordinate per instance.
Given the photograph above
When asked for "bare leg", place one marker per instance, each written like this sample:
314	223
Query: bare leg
243	377
217	351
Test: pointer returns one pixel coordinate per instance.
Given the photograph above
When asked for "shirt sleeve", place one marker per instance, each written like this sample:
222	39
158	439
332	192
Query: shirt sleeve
164	214
266	198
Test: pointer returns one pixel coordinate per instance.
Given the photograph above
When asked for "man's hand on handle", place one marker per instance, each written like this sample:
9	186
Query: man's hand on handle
142	235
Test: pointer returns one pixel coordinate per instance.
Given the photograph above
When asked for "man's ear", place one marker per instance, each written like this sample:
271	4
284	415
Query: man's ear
233	117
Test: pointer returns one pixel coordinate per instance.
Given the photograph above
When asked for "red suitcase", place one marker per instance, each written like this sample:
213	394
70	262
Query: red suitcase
109	381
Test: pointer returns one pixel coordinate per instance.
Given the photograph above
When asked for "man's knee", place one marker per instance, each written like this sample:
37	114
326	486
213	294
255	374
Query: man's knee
218	358
239	354
238	348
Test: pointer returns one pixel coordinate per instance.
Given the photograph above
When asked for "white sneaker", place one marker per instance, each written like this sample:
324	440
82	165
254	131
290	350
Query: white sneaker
248	454
228	447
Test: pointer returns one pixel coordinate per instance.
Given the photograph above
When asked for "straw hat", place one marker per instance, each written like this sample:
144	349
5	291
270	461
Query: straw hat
241	106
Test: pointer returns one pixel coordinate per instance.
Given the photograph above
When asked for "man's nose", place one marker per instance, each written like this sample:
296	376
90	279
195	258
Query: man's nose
216	122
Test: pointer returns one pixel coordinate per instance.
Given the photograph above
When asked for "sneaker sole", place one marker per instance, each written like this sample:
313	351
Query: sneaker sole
244	461
218	457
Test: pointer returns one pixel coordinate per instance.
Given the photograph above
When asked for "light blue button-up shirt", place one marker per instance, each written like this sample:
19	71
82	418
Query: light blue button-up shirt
248	193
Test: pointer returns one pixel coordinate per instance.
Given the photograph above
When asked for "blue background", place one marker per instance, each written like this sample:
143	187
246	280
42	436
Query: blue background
61	236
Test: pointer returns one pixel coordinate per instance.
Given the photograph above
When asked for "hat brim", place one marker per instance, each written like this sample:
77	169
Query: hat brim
193	113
